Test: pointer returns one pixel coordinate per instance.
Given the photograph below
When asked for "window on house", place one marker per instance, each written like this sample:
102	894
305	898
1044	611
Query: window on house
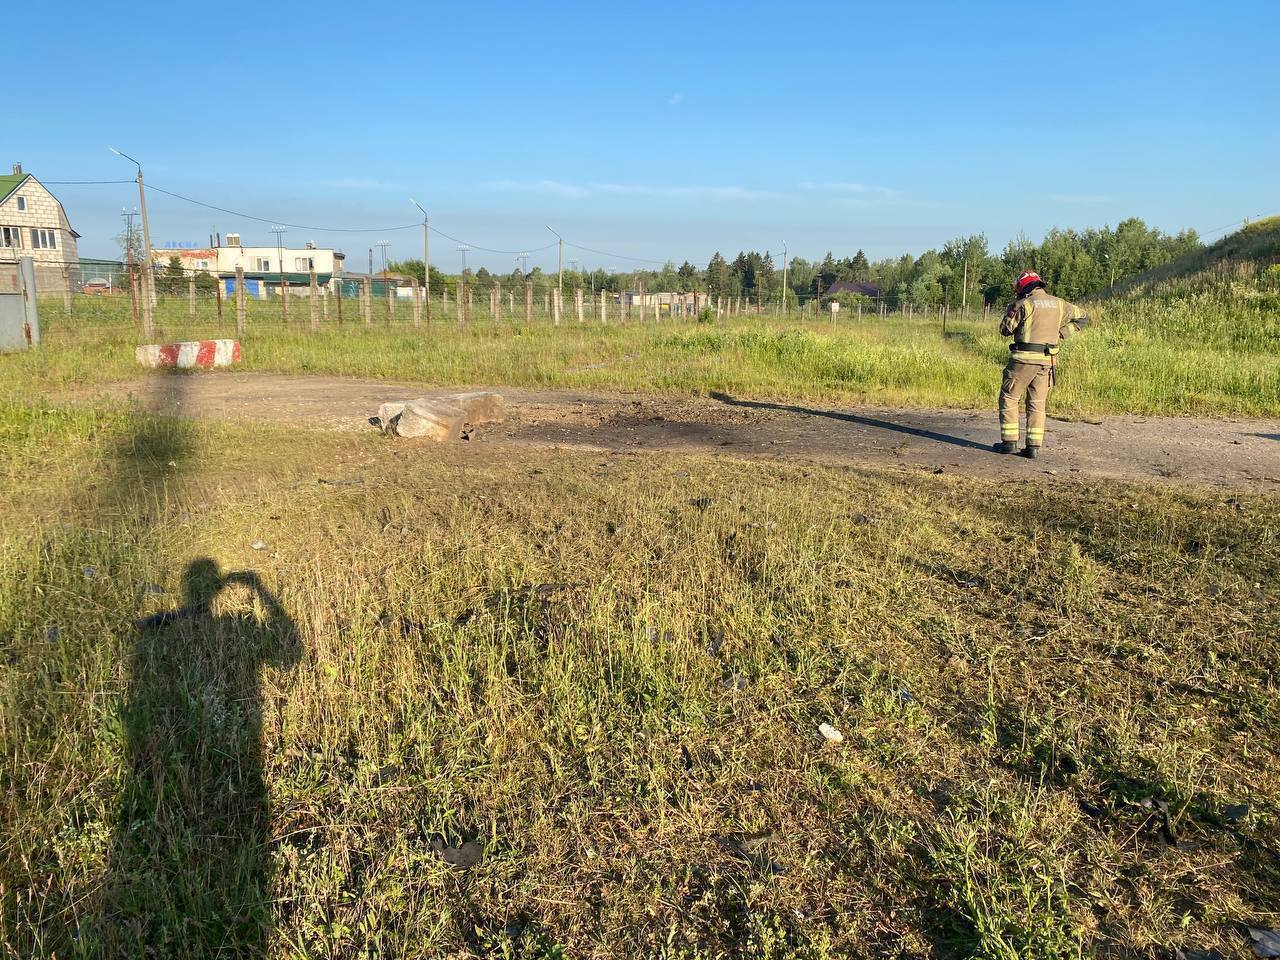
202	264
262	264
303	264
44	239
10	237
22	204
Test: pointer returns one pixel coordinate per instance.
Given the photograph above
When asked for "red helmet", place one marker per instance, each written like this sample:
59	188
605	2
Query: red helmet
1026	282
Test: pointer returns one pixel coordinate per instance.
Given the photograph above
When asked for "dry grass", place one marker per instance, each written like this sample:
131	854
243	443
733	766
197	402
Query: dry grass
609	671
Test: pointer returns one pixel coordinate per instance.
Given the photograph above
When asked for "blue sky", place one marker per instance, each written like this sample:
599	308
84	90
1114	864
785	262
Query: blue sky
655	131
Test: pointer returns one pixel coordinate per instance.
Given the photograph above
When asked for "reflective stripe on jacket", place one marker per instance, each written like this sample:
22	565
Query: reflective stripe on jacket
1040	320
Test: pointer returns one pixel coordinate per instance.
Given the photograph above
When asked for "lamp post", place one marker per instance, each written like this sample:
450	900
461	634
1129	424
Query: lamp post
426	261
559	264
284	299
785	264
148	274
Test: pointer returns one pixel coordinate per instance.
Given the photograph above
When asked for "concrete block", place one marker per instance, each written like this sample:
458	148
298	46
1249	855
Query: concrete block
189	354
439	418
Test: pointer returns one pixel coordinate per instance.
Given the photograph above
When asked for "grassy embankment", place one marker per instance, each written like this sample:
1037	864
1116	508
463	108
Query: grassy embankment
608	672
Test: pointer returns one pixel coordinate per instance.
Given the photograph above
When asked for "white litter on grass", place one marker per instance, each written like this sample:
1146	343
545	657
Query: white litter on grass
258	545
831	733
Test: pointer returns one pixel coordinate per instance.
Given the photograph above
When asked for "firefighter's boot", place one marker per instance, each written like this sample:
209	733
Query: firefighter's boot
1005	446
1030	452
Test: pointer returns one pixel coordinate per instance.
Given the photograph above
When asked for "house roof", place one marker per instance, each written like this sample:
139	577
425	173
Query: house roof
10	182
852	286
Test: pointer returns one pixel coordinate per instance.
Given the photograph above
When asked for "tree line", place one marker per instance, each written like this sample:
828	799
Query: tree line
964	270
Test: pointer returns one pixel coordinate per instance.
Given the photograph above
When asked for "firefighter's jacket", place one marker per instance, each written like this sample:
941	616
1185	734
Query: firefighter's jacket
1037	321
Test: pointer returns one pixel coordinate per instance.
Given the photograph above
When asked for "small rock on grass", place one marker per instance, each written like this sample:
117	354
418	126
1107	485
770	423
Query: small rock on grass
830	733
460	858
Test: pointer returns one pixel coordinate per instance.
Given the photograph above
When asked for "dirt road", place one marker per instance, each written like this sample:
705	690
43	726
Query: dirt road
1228	453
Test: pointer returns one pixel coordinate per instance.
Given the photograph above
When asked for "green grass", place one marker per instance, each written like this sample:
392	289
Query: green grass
1177	357
609	671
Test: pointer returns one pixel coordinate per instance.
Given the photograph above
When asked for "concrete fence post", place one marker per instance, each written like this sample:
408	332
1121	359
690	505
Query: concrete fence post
240	301
528	301
191	296
366	305
497	301
417	305
577	303
555	306
314	296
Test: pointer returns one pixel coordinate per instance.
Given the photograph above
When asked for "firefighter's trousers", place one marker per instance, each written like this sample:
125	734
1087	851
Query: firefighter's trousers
1034	381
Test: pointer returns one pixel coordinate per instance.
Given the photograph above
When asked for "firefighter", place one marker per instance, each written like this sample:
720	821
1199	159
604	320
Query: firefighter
1036	320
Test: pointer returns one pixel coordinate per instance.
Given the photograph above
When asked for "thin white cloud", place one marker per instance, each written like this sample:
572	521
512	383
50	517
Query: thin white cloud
675	99
1082	199
356	184
595	189
855	193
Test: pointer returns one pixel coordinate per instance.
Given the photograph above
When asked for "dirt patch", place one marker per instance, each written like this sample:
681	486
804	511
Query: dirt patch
1183	451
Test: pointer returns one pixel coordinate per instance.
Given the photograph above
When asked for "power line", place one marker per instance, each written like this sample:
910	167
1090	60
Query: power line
300	226
61	183
476	246
617	256
296	226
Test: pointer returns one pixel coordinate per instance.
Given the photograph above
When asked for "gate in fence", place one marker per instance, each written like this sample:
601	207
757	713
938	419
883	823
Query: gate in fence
19	319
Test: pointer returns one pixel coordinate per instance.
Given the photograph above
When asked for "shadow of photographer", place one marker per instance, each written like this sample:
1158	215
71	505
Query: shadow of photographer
189	864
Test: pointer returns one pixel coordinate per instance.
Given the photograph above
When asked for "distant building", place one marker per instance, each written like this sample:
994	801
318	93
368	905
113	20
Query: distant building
859	288
33	224
676	303
261	265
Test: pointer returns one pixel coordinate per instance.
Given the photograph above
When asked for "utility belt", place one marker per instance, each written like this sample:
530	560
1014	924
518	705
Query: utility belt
1044	349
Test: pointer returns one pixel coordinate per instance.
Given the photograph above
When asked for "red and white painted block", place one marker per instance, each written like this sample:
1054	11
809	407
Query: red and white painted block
189	353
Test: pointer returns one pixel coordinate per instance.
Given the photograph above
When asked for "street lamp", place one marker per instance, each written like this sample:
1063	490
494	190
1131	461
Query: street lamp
148	277
284	300
559	263
426	260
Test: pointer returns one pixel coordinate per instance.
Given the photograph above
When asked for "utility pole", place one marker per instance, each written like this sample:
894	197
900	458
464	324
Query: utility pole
426	261
148	275
382	245
128	252
559	262
284	299
524	263
785	263
964	292
463	248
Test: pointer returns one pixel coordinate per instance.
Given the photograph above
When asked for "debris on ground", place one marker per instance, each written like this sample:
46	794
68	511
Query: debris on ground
258	545
451	417
830	733
1235	812
751	849
1266	943
463	857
